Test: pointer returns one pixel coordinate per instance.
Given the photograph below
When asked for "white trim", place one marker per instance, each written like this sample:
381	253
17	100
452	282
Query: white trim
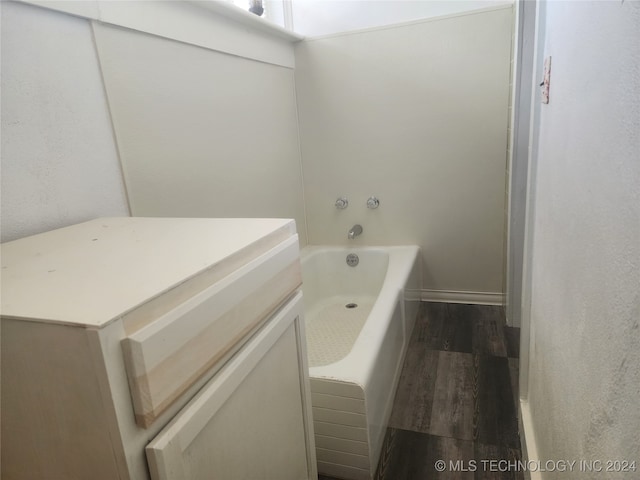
244	17
511	155
288	15
453	296
305	394
214	25
85	9
526	338
528	444
92	9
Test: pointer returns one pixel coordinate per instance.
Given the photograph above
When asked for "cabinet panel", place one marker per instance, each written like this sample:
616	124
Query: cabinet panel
251	420
53	423
165	357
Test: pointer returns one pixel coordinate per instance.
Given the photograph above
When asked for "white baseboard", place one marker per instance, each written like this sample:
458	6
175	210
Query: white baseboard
449	296
528	440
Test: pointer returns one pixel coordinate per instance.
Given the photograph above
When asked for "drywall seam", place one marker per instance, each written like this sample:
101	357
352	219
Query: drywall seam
59	162
113	130
304	196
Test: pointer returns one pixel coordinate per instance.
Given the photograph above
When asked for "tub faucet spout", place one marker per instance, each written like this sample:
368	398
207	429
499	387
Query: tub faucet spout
354	232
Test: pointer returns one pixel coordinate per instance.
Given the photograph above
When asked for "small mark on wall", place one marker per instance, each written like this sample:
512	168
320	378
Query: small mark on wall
546	80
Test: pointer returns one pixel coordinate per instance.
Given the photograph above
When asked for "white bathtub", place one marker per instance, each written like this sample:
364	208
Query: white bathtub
356	354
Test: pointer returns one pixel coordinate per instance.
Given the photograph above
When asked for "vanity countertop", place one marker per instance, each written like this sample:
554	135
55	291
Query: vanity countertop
95	272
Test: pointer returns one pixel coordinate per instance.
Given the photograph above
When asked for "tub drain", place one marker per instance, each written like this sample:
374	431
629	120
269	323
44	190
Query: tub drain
352	260
351	305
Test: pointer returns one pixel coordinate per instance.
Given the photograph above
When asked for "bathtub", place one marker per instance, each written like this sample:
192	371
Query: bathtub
358	321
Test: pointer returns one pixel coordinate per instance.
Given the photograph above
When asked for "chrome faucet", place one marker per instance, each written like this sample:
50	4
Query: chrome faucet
354	232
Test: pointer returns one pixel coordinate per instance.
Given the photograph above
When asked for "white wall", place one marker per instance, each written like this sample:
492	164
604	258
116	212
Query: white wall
325	17
584	375
59	161
202	133
416	115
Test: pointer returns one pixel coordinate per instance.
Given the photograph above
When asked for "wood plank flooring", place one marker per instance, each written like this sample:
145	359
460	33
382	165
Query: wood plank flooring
456	399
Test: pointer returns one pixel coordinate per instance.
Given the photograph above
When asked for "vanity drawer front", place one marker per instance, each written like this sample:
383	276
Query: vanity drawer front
164	358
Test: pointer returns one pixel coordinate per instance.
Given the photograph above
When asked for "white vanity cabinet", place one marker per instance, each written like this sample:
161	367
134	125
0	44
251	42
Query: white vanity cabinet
149	348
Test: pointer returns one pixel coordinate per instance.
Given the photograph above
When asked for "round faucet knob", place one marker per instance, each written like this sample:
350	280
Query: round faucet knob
373	202
342	203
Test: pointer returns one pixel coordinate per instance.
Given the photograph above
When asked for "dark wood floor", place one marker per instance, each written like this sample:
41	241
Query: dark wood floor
456	399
